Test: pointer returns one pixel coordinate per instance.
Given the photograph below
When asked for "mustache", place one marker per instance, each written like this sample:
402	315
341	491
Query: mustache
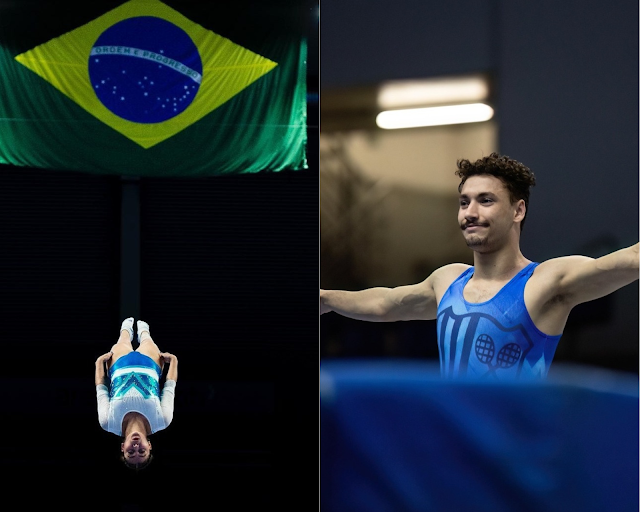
465	225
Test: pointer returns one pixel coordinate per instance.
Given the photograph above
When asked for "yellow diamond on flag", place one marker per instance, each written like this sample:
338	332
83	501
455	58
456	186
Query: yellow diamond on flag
145	70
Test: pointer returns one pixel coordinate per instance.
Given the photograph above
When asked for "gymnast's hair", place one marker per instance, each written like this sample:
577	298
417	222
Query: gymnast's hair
137	466
517	177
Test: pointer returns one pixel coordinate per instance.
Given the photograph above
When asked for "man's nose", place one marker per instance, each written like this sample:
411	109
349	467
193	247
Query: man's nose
471	210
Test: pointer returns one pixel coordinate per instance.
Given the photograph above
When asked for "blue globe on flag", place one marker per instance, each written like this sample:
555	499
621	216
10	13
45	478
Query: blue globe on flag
145	69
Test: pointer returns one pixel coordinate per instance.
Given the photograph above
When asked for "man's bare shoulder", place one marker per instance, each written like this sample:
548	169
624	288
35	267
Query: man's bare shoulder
556	267
451	270
548	279
442	277
420	301
437	282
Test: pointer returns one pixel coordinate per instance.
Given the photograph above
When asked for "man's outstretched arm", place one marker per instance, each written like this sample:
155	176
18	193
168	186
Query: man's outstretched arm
410	302
582	279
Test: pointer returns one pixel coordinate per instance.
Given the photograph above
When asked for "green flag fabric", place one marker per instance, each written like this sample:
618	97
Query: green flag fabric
143	89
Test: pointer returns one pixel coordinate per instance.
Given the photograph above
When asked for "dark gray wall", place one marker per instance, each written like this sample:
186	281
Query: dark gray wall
567	93
365	41
568	105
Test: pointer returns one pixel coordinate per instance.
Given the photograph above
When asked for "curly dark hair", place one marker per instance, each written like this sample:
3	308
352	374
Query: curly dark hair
517	177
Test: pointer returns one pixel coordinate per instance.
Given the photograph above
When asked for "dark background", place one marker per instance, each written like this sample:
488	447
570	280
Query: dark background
225	271
566	98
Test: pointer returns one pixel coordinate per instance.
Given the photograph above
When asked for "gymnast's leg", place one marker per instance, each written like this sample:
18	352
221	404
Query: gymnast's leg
123	345
147	345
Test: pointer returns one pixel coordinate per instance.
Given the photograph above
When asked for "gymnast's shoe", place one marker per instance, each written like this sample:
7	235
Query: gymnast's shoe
143	327
127	325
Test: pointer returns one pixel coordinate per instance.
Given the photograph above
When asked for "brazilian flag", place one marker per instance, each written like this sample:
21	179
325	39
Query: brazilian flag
153	88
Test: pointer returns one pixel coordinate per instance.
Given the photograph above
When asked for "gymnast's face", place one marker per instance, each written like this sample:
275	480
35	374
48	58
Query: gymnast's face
136	448
486	214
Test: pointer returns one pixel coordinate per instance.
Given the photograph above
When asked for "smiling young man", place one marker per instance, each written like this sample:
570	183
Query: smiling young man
503	317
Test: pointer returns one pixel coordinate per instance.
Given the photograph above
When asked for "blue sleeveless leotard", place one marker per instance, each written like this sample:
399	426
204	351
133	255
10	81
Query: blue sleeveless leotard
495	339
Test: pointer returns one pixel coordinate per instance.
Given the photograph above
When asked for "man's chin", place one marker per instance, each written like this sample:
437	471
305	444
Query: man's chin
475	241
477	244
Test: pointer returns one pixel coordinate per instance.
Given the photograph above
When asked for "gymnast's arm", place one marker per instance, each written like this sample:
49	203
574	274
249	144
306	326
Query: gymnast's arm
581	279
169	388
102	392
410	302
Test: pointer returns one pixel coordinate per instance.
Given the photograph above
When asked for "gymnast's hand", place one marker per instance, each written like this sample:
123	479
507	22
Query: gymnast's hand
104	358
168	358
172	374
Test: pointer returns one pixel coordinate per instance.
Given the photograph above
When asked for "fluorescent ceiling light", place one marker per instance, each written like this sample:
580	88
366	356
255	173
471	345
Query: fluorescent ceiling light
414	93
434	116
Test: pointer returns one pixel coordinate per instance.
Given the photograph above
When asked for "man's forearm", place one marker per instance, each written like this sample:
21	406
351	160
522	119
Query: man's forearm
591	279
634	256
369	305
625	260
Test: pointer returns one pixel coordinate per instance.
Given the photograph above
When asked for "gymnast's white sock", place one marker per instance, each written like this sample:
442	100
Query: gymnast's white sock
127	325
143	331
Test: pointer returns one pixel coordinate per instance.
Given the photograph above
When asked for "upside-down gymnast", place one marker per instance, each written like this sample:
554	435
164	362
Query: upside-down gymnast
130	401
503	317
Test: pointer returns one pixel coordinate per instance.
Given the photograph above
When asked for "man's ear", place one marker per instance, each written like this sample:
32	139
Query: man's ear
520	210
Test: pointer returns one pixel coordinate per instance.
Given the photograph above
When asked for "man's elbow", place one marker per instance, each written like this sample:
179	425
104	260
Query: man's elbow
384	310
